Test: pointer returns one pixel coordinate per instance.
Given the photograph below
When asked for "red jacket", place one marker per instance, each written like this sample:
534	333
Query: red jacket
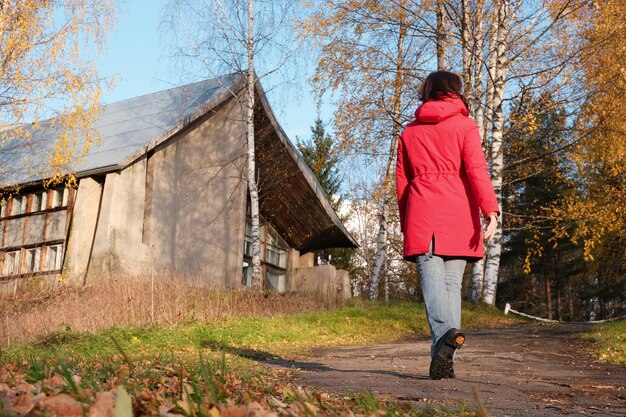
442	180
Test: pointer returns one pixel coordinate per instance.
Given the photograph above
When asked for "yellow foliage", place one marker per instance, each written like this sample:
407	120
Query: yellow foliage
601	155
45	72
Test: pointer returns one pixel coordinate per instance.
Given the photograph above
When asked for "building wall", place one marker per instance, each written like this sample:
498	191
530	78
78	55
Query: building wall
180	209
117	246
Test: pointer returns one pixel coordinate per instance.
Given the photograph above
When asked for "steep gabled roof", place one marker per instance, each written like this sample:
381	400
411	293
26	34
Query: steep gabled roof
291	198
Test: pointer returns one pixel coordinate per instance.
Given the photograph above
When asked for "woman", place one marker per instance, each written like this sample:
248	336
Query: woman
443	182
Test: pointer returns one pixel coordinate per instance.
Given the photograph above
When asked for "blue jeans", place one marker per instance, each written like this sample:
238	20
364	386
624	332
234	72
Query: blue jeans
441	280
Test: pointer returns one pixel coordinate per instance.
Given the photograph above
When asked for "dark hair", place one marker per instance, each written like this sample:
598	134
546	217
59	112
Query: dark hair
440	84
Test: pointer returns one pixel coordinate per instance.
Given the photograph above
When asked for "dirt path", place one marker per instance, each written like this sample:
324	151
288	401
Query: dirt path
534	371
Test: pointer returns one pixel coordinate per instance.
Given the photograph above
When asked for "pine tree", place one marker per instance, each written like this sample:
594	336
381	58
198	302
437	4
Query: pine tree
320	154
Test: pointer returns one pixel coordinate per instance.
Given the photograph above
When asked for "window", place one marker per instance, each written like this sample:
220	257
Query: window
58	197
33	259
18	205
247	245
3	208
274	254
37	202
12	263
275	279
54	258
246	278
273	258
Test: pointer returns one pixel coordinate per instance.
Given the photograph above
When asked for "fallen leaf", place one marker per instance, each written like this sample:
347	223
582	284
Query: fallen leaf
276	402
103	406
25	403
313	409
63	406
55	380
26	388
123	403
85	392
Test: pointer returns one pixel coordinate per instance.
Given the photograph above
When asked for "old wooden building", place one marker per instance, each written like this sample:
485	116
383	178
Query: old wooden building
164	192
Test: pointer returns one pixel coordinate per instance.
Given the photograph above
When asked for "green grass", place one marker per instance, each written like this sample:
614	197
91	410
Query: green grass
285	336
610	342
216	361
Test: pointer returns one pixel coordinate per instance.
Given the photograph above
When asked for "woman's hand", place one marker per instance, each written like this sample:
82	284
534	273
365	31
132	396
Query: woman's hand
491	222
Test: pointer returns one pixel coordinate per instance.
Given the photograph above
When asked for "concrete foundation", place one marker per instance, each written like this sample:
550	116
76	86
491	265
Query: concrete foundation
323	280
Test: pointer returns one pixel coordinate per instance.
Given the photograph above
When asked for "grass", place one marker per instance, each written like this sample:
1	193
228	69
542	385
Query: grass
210	367
133	303
259	337
610	342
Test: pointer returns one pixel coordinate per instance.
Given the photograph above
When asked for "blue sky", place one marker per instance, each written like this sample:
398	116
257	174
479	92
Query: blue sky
136	58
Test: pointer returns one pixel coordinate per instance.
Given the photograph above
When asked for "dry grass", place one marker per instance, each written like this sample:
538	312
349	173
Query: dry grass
133	302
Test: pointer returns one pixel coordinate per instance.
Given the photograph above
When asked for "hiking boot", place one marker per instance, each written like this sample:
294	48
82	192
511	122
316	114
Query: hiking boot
451	373
442	364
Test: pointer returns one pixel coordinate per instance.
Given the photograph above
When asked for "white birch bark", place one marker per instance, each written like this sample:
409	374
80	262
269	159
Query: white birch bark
381	250
478	268
387	280
479	83
497	157
441	36
381	240
251	171
491	76
467	56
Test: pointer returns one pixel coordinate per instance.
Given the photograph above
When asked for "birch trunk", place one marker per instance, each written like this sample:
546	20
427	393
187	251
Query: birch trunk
386	281
381	248
478	268
251	171
491	78
497	158
381	241
478	66
468	57
441	36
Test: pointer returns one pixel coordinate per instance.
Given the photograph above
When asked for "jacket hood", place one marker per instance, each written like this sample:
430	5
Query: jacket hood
435	111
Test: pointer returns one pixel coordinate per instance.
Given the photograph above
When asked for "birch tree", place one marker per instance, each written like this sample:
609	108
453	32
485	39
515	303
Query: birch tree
381	247
212	37
441	35
494	248
45	72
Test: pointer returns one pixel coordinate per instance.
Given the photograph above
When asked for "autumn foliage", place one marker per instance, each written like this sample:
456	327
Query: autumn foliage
47	71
